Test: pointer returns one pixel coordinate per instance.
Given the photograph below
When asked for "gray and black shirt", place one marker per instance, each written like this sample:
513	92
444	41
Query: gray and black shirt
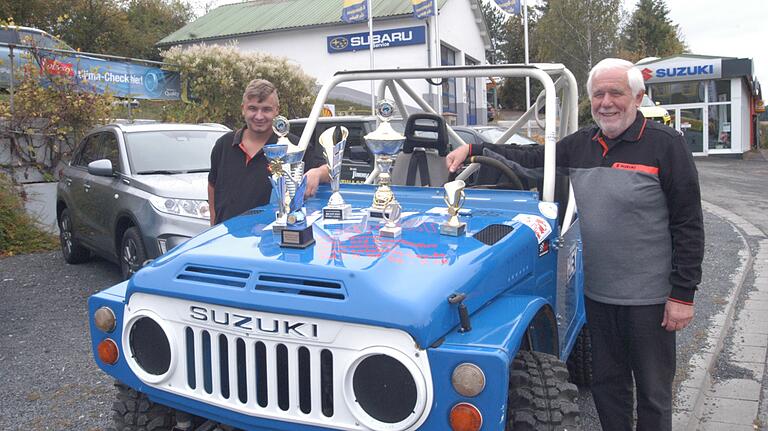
640	210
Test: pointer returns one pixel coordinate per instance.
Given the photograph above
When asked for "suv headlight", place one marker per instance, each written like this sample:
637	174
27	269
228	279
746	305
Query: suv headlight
183	207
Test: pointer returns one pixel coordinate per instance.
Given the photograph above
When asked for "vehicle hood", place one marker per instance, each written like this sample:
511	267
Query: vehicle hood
180	186
653	111
352	273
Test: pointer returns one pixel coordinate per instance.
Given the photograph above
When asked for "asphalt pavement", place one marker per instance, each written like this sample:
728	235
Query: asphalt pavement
50	381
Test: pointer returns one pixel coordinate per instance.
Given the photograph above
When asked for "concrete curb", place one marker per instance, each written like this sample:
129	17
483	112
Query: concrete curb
689	404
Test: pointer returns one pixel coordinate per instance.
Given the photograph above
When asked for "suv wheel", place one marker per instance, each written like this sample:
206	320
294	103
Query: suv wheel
132	253
540	397
580	361
70	249
133	411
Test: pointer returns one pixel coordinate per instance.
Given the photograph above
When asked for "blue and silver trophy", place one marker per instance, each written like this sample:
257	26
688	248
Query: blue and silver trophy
384	143
288	184
336	209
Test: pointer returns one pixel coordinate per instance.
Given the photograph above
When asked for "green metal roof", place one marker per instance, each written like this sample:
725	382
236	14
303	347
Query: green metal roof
269	15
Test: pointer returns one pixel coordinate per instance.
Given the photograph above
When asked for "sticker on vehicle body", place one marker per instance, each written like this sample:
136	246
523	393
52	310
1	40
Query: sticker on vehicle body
543	247
548	210
538	225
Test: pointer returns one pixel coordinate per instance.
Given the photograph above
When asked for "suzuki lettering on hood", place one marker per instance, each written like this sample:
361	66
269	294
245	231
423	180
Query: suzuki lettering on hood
255	324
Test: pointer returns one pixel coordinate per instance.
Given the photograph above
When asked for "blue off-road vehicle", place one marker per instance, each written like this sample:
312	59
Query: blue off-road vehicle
361	331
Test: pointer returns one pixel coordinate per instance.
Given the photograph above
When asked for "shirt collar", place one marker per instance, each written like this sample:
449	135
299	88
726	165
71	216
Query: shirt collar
238	137
633	133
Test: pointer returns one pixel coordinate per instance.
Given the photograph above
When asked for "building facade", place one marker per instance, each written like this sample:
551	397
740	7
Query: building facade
311	34
711	100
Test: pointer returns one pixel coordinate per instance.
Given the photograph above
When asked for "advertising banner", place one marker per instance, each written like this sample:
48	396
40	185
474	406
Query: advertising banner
509	6
354	11
681	69
423	9
121	79
381	39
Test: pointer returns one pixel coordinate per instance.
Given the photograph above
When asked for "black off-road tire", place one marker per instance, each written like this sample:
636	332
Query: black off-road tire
540	396
133	254
72	251
580	361
133	411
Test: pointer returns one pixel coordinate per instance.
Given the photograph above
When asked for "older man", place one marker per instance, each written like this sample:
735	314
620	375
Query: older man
640	209
239	176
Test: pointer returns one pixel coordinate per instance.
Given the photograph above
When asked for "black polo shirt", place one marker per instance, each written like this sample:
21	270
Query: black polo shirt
241	184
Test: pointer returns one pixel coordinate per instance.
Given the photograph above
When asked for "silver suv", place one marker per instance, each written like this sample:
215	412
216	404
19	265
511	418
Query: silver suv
132	192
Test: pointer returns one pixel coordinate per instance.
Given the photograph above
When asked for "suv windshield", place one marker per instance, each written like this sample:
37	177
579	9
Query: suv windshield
171	151
647	102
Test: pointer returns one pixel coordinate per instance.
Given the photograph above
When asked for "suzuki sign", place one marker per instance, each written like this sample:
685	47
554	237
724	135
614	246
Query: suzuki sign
681	69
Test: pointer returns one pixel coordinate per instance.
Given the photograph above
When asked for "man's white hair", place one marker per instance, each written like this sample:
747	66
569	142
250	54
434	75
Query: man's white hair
634	76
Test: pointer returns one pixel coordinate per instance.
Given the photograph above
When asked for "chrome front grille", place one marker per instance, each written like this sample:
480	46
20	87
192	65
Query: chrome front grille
280	367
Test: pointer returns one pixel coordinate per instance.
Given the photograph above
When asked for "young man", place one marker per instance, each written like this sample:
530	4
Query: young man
639	203
239	176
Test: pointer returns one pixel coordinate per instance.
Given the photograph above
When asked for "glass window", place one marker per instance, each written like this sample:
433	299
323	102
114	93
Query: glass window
671	93
471	95
110	150
719	127
448	58
720	90
171	151
89	151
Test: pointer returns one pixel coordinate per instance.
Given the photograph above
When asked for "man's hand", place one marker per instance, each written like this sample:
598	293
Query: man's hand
676	316
455	158
314	177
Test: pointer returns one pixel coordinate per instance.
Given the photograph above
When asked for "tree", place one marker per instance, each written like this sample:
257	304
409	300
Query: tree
128	28
496	21
578	33
650	32
220	74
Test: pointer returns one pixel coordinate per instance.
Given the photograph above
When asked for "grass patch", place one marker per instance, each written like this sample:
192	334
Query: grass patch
18	232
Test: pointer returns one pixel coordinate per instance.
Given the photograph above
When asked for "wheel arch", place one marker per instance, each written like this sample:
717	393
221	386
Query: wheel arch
123	222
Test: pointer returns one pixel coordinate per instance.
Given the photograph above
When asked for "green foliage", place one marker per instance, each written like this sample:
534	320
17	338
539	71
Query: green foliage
218	75
578	33
127	28
18	231
650	32
48	119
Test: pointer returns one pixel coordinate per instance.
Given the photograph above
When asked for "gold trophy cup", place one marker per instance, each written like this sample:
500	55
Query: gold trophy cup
454	198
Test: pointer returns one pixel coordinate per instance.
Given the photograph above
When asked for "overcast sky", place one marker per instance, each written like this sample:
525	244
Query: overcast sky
733	28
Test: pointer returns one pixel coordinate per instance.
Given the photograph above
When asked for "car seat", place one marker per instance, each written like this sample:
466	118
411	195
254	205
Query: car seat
422	161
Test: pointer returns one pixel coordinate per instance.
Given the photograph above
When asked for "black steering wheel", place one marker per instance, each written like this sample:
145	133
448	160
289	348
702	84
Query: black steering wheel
513	182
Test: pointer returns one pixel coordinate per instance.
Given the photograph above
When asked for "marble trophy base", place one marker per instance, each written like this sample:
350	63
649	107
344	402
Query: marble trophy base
337	212
294	237
390	232
453	230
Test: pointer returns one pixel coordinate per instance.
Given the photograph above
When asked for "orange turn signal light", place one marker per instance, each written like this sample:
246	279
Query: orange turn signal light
108	352
465	417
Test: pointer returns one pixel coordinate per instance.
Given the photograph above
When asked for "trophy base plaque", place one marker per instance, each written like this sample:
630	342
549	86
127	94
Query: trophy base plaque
390	232
297	238
341	212
375	213
453	230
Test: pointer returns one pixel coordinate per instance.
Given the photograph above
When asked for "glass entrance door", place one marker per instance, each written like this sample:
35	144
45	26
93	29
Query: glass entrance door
690	122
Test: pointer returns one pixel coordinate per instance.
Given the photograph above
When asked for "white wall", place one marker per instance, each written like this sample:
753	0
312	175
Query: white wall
306	47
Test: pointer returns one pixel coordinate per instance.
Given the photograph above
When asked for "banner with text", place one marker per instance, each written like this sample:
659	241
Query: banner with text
423	9
354	11
121	79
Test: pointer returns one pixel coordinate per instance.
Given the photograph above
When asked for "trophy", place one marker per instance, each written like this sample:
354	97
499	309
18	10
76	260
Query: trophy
391	215
336	209
288	183
384	143
454	198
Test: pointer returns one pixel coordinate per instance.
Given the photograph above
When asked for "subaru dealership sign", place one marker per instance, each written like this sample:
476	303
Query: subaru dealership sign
681	69
381	39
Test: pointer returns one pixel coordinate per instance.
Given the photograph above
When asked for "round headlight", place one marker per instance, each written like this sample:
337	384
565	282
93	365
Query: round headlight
384	388
150	346
468	379
104	319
